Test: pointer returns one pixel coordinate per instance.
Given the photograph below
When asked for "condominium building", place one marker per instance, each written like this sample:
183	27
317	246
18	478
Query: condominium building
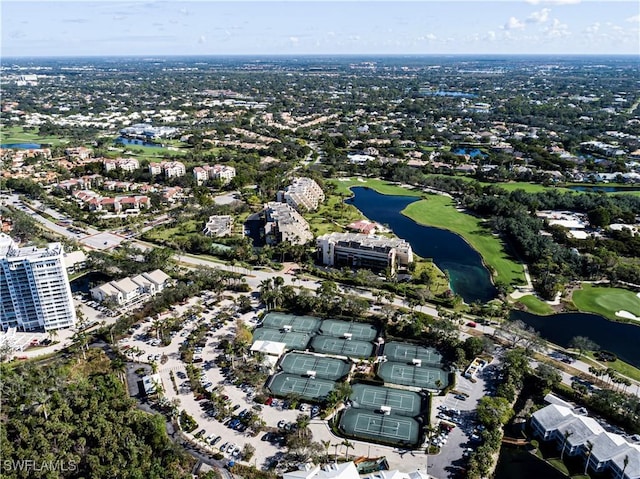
34	287
304	194
283	223
359	250
582	436
222	173
124	164
132	290
170	169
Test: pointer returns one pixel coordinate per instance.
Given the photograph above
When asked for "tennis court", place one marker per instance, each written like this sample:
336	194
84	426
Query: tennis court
341	347
338	328
408	375
300	324
405	353
325	368
403	403
293	340
283	384
368	425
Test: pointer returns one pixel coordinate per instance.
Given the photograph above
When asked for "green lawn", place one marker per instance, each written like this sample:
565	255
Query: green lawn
167	234
606	301
440	211
535	305
16	134
623	368
381	186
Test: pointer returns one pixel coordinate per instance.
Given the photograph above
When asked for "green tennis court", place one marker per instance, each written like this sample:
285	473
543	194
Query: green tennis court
405	352
368	425
293	340
403	403
409	375
283	384
302	324
324	367
341	347
359	331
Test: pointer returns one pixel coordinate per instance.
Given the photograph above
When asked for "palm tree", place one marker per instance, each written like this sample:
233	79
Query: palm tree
589	447
326	445
347	445
626	463
567	435
335	456
53	334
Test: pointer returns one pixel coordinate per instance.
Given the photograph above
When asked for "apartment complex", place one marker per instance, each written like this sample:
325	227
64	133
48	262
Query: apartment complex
223	173
283	223
583	436
131	290
303	194
124	164
34	287
363	251
170	169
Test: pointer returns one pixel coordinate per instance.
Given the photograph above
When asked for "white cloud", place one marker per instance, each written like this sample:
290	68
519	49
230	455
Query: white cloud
539	17
490	36
557	29
429	36
593	28
553	2
513	24
202	39
634	19
294	40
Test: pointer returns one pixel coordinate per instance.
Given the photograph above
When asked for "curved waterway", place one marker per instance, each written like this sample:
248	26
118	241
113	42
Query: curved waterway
619	338
468	276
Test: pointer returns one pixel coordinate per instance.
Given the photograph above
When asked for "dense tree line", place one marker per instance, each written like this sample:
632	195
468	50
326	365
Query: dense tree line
77	417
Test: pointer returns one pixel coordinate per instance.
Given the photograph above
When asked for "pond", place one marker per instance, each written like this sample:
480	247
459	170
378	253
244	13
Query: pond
619	338
468	276
604	189
518	462
22	146
133	142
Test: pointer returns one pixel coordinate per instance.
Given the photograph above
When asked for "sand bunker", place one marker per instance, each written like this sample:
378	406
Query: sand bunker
627	315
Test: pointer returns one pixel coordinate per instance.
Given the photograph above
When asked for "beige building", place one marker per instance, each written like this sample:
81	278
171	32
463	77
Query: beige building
218	226
283	223
303	194
130	290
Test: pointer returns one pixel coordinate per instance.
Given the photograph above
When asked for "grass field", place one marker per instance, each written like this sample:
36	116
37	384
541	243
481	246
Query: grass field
606	301
439	211
16	134
623	368
535	305
381	186
168	234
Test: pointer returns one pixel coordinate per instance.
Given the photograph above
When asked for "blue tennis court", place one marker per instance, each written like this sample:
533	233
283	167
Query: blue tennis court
423	377
401	402
355	330
301	324
367	425
341	347
283	384
405	352
324	367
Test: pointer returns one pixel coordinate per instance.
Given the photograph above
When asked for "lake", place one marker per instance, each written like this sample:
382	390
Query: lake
619	338
22	146
468	276
133	142
604	189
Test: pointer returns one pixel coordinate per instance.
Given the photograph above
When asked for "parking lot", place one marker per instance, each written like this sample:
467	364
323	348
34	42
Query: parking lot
458	409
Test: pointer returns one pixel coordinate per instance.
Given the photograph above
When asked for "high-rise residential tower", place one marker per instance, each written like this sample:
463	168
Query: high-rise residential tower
34	287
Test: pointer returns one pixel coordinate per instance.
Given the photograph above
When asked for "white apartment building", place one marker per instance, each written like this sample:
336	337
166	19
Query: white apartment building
130	290
124	164
364	251
223	173
304	194
170	169
283	223
34	287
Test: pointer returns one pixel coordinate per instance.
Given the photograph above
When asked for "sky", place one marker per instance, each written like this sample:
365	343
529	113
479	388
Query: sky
263	27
